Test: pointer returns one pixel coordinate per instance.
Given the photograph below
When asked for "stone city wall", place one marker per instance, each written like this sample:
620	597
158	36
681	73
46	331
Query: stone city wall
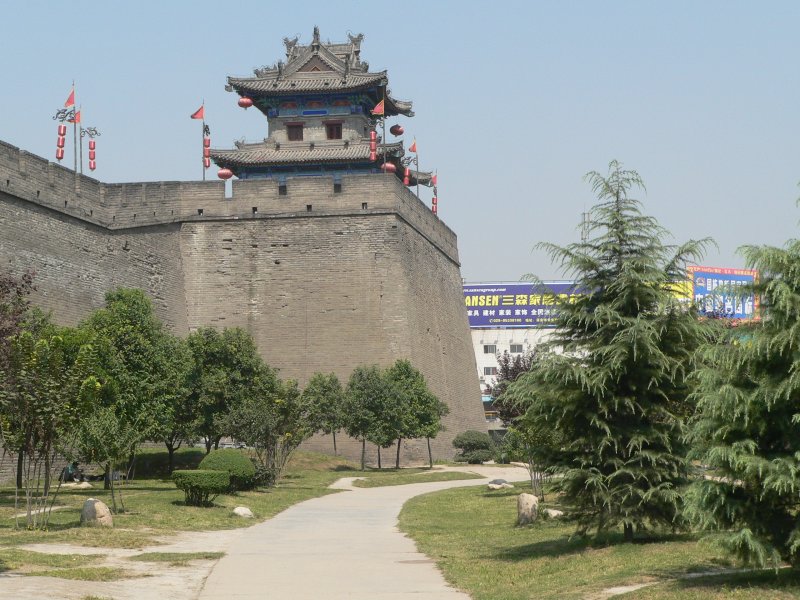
323	280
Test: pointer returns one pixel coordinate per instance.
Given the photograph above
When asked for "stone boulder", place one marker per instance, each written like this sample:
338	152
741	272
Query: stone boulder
497	481
96	513
527	509
553	513
243	511
499	486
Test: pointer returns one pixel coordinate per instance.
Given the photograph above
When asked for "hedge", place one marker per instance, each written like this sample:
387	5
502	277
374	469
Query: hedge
201	486
476	447
236	464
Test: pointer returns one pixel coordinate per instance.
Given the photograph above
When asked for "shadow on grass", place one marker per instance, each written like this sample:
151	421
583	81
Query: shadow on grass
766	578
547	548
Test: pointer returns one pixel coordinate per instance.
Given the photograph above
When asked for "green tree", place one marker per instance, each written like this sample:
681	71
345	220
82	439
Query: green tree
616	391
324	397
140	368
45	385
420	412
365	401
178	422
747	426
274	420
509	367
225	364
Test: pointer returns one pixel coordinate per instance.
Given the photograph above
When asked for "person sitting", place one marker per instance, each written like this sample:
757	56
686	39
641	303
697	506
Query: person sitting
71	473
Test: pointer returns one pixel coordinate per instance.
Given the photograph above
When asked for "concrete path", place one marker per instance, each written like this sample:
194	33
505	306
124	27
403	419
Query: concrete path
342	546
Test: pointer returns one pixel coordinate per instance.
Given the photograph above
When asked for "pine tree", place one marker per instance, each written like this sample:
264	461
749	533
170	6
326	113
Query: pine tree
613	386
747	429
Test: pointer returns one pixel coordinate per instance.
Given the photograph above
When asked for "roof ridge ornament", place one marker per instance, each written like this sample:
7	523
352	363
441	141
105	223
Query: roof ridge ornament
315	40
290	44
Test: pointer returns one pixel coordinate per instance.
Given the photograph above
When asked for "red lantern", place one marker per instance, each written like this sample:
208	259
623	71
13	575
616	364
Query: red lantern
225	173
206	162
92	145
59	153
434	201
433	209
206	152
389	168
245	102
406	176
60	142
206	142
92	154
373	156
62	130
373	136
92	165
396	130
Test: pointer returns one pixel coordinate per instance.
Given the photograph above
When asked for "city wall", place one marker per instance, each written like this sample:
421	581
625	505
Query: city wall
324	280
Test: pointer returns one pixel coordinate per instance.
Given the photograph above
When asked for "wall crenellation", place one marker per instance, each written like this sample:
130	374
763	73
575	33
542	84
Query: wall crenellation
130	205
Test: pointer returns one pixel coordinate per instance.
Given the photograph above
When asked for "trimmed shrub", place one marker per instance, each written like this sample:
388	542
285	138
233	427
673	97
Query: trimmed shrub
476	447
201	486
236	464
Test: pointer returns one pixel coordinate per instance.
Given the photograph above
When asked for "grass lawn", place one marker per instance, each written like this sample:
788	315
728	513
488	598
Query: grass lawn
471	534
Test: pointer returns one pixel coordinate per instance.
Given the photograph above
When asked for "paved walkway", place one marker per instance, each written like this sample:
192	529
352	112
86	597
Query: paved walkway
342	546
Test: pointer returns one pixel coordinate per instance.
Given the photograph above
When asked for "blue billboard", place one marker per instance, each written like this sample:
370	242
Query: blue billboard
494	305
724	292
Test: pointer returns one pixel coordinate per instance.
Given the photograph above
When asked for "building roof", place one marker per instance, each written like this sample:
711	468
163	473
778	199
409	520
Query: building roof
320	68
269	153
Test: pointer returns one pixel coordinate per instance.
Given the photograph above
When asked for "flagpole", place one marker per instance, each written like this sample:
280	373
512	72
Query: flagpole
383	119
75	135
81	147
417	153
203	137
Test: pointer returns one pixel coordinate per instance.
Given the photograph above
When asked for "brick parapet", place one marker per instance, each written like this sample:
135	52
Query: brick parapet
120	206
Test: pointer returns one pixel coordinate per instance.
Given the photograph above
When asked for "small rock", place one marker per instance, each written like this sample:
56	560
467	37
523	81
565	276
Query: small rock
96	513
527	508
495	486
553	513
497	481
243	511
83	485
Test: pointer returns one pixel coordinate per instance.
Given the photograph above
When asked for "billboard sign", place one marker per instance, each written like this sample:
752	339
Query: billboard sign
498	305
724	292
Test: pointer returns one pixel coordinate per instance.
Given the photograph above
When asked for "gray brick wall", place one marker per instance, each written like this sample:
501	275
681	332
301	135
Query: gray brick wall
324	281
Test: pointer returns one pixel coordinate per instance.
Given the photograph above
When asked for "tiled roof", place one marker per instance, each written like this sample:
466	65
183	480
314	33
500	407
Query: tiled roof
305	82
266	153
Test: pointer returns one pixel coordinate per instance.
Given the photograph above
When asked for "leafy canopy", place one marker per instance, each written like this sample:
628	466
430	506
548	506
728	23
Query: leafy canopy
613	387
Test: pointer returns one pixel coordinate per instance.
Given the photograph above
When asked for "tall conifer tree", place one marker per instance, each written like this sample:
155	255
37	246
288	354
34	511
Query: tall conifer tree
614	388
748	420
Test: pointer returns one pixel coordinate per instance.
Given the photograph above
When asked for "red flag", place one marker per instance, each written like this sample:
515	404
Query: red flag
76	118
435	179
379	108
71	100
200	113
413	147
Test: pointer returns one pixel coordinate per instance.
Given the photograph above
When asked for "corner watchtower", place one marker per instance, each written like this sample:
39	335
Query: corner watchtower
321	105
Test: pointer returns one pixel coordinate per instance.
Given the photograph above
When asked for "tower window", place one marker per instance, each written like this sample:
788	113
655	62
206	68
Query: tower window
333	131
294	132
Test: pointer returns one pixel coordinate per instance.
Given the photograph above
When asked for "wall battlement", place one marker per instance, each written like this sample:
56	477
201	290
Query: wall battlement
120	206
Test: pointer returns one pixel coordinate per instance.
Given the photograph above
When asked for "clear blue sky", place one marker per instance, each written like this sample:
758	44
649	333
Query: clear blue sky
514	102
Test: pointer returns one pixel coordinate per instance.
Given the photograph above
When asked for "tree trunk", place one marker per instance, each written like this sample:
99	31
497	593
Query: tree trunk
363	454
430	454
335	453
397	458
628	532
379	457
171	453
46	473
20	463
208	443
107	479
